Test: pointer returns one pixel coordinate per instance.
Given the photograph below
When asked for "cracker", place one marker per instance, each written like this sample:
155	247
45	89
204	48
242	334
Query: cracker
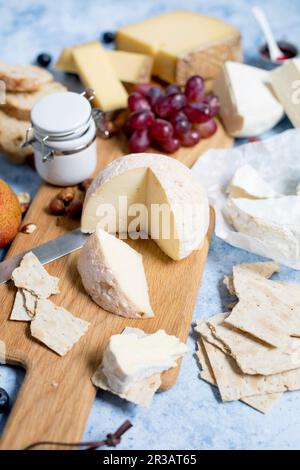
261	403
32	276
24	78
19	105
56	327
253	357
30	302
268	310
19	312
12	135
141	393
265	269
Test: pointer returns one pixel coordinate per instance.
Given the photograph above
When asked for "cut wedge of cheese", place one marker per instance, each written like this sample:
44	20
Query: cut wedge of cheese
247	183
113	274
275	223
97	72
171	205
285	81
248	107
130	67
182	43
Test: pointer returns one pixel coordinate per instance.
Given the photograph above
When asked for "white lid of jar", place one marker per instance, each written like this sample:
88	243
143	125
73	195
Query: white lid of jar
60	113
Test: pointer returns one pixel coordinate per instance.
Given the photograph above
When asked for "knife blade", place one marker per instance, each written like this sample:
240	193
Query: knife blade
46	252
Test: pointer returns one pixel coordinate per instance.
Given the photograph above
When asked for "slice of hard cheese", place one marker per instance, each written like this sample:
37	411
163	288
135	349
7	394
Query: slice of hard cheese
97	72
285	81
113	275
248	107
130	67
182	44
174	206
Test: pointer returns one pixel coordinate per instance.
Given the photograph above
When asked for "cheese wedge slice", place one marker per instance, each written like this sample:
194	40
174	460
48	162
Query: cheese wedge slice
247	183
172	207
248	107
97	72
274	222
182	43
130	67
285	81
113	275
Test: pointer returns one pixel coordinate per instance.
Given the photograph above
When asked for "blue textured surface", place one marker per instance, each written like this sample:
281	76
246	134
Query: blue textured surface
189	416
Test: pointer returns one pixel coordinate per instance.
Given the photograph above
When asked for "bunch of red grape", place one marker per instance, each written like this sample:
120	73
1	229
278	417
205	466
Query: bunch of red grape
168	119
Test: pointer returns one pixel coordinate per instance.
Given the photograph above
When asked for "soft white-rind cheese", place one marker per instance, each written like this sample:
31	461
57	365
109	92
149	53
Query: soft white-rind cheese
133	356
113	275
248	106
151	180
247	183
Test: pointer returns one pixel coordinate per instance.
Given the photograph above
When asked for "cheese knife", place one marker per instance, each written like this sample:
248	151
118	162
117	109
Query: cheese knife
46	252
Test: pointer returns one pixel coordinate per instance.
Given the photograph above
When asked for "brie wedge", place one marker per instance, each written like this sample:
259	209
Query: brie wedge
248	107
285	81
247	183
133	356
274	222
174	207
113	275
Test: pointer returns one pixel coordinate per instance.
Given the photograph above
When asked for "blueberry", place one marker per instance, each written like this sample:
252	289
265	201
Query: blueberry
108	37
4	401
44	59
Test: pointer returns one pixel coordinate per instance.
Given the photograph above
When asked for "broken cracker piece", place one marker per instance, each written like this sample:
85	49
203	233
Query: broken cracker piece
19	312
260	403
30	302
56	327
32	276
265	269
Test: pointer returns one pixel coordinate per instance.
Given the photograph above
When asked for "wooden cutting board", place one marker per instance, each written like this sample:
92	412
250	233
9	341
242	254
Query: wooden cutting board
56	396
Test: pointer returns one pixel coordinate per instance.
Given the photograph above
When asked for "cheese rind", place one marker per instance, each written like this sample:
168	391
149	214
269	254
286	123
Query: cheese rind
113	275
129	67
97	73
285	81
156	182
182	44
247	183
248	107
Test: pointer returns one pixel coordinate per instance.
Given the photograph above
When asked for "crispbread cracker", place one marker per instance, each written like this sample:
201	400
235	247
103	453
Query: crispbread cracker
140	394
265	269
261	403
23	77
56	327
253	357
30	302
32	276
205	331
12	135
268	310
19	105
19	312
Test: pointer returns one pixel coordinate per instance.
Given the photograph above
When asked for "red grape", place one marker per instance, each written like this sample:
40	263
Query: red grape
172	89
198	112
177	115
214	104
195	88
137	102
140	119
190	138
143	88
165	106
207	128
170	145
139	141
181	126
161	130
153	94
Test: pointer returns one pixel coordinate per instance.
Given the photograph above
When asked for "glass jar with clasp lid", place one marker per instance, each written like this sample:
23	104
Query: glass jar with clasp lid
63	134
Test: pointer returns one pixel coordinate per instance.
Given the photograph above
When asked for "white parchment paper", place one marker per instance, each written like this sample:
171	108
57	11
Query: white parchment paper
277	160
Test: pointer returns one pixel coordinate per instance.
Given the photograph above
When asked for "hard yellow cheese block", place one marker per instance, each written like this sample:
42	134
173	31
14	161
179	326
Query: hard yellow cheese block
97	72
129	66
183	44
